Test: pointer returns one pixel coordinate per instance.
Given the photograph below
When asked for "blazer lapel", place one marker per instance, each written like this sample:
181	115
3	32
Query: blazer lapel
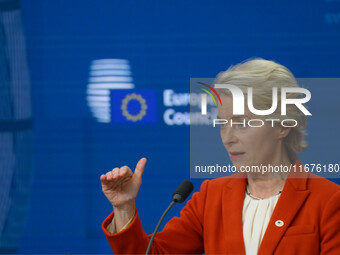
292	197
232	206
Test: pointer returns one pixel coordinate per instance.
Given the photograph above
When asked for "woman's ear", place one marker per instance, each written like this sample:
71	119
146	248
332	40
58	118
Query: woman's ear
283	132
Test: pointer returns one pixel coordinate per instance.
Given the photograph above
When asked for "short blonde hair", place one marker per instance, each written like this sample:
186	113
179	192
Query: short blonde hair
262	75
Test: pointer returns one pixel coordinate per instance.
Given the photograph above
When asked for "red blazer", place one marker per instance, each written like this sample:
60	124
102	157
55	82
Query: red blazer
211	222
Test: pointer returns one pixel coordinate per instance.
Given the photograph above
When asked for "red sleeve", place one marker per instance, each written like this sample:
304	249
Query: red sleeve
330	227
181	235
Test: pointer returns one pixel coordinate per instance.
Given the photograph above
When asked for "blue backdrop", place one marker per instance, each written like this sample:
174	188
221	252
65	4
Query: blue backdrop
162	44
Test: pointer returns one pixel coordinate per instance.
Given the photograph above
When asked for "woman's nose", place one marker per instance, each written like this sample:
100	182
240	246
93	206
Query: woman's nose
228	135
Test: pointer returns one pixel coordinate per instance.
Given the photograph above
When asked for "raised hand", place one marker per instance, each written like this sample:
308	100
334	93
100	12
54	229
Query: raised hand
121	186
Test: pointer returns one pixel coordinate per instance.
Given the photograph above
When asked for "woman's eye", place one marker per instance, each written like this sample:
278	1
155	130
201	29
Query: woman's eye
241	124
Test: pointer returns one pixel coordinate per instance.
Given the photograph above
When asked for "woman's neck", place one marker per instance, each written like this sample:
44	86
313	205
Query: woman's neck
268	184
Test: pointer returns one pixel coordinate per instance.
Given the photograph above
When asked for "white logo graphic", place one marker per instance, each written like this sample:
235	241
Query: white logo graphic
238	100
106	75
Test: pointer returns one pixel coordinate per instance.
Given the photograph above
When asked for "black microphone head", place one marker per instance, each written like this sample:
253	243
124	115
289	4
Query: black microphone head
183	191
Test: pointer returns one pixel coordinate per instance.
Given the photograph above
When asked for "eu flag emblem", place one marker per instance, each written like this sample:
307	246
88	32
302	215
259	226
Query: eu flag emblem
133	106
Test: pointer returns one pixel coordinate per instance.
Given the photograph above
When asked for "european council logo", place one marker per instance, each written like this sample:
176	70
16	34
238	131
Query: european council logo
111	96
134	106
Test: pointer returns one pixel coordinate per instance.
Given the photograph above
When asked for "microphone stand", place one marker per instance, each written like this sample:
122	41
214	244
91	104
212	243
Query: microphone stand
157	227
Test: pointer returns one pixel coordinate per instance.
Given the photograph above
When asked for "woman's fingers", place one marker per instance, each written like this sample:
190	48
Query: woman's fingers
118	173
140	167
103	179
115	175
125	171
120	182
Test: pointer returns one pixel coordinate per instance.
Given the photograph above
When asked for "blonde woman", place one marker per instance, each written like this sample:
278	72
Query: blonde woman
274	213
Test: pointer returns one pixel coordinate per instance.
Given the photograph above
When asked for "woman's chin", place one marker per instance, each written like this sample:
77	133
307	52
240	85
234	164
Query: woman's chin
238	165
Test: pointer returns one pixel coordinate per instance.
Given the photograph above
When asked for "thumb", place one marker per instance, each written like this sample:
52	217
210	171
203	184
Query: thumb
140	167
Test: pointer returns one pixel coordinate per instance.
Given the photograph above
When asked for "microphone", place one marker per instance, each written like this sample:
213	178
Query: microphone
179	196
183	191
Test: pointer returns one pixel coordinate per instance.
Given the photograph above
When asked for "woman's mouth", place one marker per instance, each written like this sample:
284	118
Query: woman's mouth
236	155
